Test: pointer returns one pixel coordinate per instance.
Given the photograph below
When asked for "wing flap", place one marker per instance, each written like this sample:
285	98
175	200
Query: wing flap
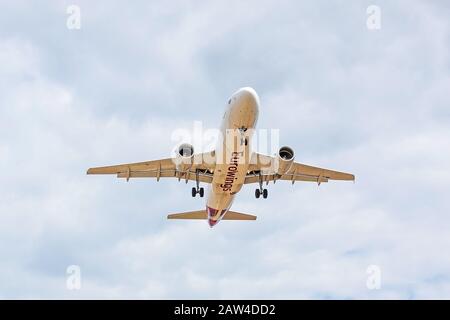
202	177
290	177
137	166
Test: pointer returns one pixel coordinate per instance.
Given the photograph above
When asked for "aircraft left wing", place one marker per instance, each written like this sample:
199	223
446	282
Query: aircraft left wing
262	169
164	168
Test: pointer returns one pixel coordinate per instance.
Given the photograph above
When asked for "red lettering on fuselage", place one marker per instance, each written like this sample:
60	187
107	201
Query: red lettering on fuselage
231	172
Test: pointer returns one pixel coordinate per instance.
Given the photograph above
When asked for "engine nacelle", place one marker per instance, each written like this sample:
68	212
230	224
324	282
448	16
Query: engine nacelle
184	157
284	160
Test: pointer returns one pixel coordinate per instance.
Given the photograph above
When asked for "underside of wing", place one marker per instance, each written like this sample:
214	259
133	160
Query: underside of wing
164	168
306	170
164	164
261	170
266	178
190	175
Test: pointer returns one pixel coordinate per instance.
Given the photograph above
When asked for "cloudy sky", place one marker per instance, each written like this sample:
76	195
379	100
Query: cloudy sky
371	102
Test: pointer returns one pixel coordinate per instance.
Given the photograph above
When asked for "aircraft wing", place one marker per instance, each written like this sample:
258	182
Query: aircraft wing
262	169
164	168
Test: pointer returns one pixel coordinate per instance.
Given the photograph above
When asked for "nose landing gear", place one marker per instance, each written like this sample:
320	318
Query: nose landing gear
197	189
244	139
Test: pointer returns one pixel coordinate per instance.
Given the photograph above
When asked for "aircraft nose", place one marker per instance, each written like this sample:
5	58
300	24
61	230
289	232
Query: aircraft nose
249	96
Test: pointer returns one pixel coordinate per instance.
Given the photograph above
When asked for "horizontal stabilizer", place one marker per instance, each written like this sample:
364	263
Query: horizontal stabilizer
189	215
230	215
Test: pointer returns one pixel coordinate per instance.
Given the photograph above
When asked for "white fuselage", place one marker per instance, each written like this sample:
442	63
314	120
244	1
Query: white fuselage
232	153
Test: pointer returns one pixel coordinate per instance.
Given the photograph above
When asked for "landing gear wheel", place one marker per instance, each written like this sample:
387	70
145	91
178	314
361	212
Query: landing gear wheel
265	193
201	192
194	192
257	193
246	141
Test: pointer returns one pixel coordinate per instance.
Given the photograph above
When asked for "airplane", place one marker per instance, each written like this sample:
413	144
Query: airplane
227	168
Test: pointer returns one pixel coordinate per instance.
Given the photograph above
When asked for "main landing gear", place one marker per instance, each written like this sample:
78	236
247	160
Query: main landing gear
244	139
200	191
197	189
261	190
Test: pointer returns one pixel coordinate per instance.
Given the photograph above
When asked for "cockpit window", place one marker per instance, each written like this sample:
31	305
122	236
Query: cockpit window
229	101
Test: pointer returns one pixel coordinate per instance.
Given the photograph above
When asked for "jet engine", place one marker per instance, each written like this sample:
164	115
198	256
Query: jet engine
284	160
184	157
